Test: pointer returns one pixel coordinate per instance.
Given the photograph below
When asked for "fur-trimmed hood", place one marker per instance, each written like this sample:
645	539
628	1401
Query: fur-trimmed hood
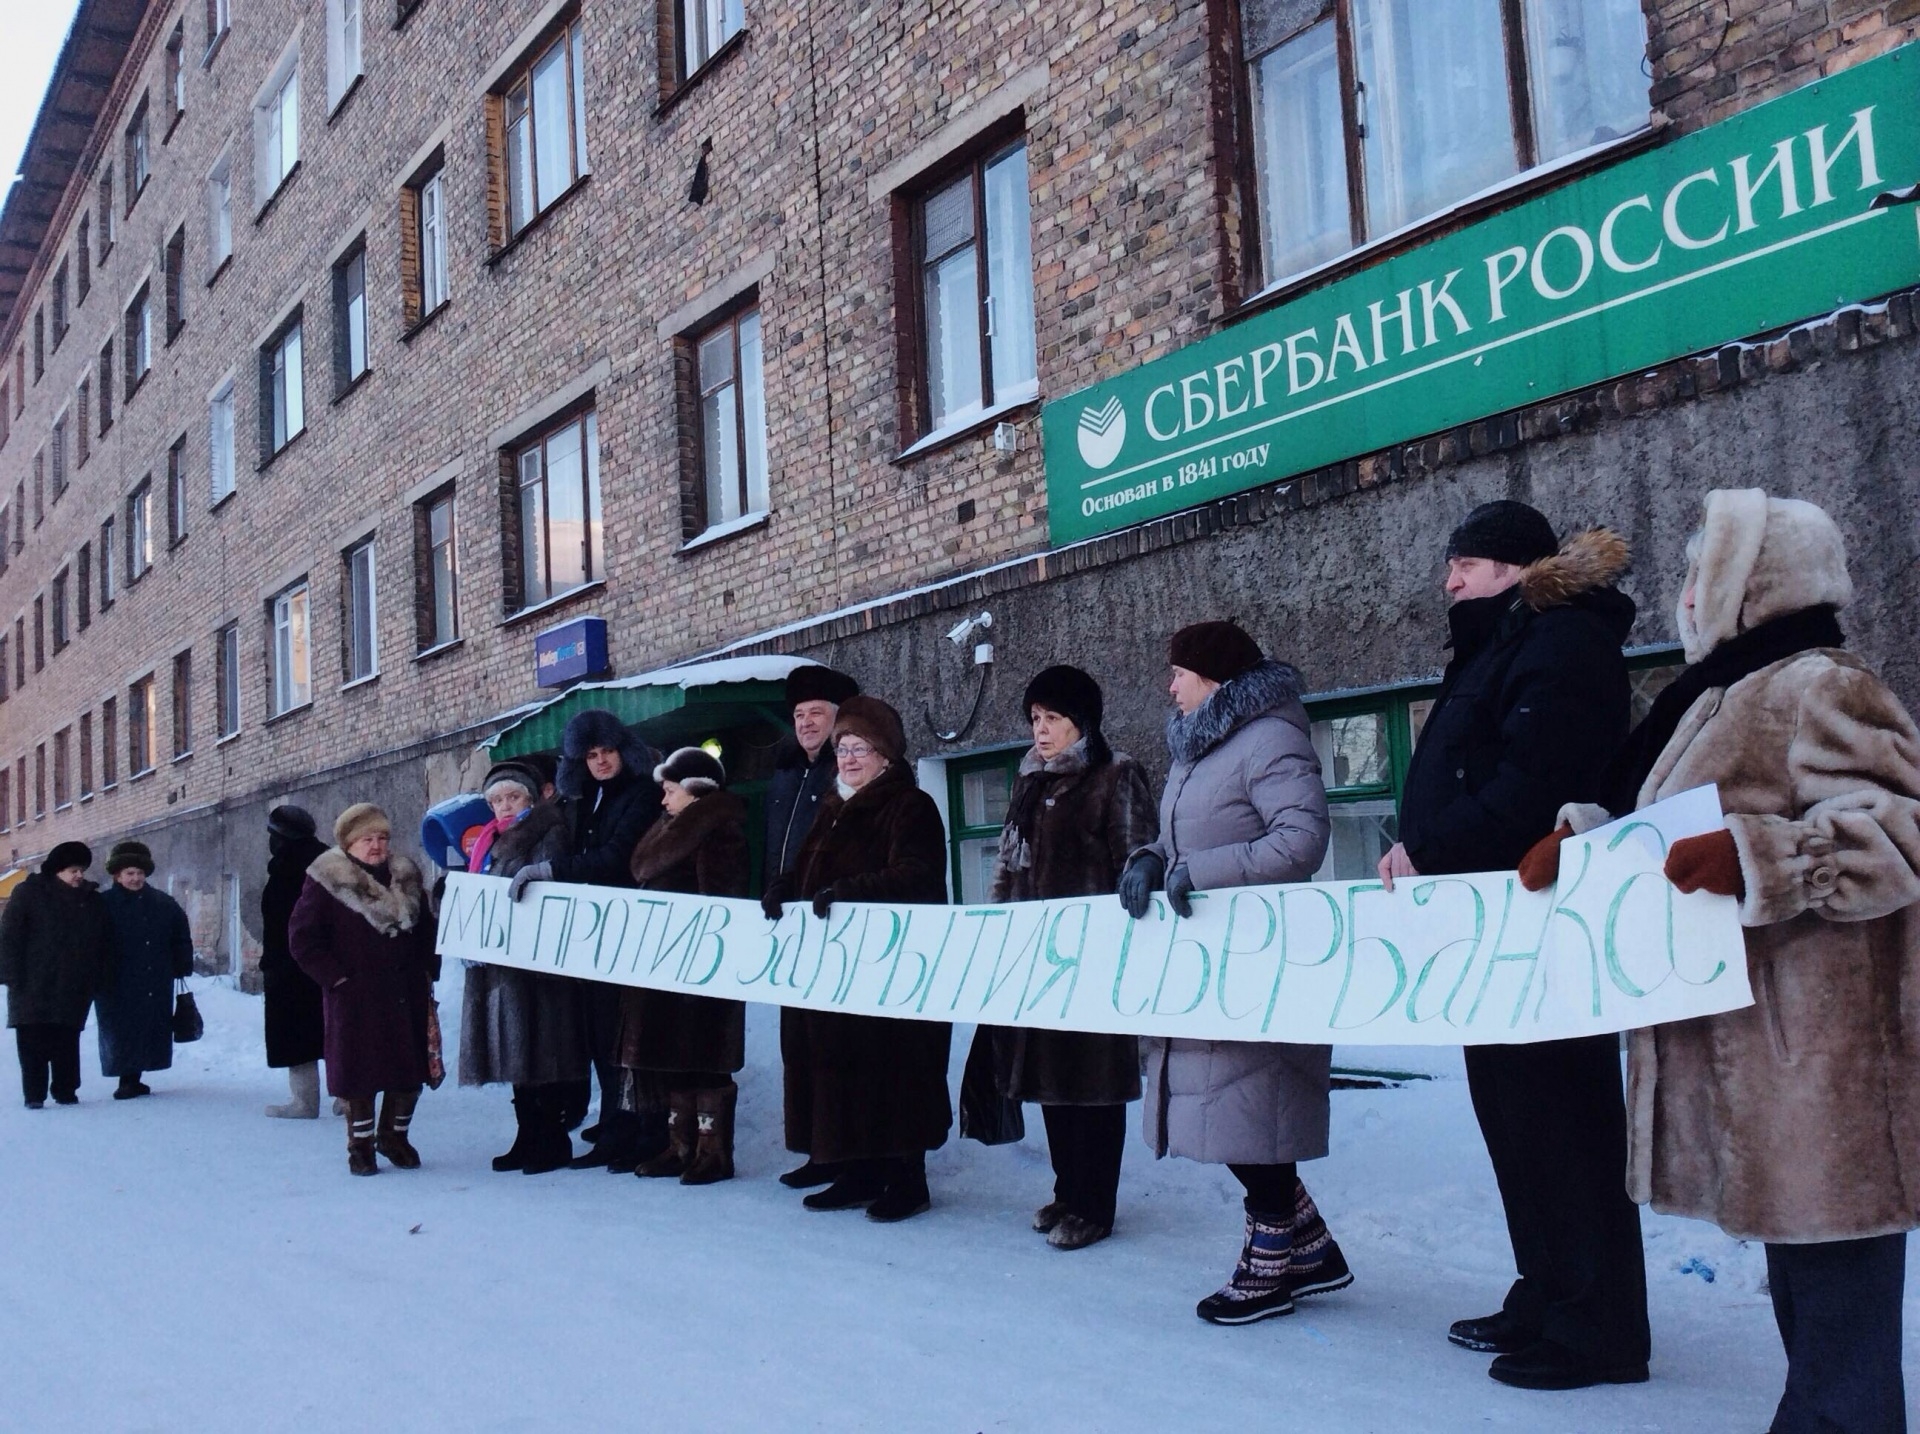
1267	688
1756	558
1586	562
389	909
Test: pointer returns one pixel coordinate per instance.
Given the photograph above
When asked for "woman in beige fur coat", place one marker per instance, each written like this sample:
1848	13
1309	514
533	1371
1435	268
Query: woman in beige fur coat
1795	1121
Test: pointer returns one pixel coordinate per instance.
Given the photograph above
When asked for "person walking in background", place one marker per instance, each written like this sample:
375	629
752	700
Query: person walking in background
871	1099
364	932
295	1019
691	1044
56	955
1533	705
153	948
804	770
1244	806
608	802
525	1028
1794	1121
1077	811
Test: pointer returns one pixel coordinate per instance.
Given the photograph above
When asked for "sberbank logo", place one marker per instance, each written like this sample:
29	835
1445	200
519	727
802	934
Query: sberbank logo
1101	433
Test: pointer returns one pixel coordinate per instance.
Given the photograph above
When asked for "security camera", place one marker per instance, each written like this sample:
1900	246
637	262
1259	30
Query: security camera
963	630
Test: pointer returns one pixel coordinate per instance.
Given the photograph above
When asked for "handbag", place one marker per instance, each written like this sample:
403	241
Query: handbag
187	1025
436	1061
985	1114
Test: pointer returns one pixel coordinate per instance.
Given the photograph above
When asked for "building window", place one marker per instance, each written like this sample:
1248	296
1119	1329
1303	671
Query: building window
359	624
173	262
140	716
6	798
733	422
343	49
540	119
40	633
40	780
83	259
283	405
227	677
86	756
63	769
437	560
977	791
220	213
140	530
6	415
423	259
108	581
106	387
350	318
109	222
137	155
39	343
1448	99
59	301
182	704
704	26
19	653
6	668
109	743
276	129
20	785
291	679
176	75
177	492
137	342
974	258
83	587
220	442
219	16
39	487
556	517
61	581
58	443
82	412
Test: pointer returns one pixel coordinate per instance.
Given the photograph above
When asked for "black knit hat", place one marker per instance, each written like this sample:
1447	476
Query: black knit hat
291	822
517	771
129	853
814	683
1217	651
1068	691
1504	531
695	769
66	854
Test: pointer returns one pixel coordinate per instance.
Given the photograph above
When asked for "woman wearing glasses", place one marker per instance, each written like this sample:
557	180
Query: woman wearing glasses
872	1100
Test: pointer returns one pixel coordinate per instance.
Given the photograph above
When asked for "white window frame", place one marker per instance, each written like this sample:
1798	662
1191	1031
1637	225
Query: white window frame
361	619
346	49
286	386
227	680
221	477
740	401
532	468
220	212
448	500
140	530
276	128
435	289
285	692
705	26
530	192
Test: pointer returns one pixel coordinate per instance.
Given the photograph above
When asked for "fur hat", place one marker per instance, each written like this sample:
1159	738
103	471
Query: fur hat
1756	558
597	727
1217	651
695	769
513	772
814	683
129	853
1068	691
873	722
357	821
1504	531
66	854
291	822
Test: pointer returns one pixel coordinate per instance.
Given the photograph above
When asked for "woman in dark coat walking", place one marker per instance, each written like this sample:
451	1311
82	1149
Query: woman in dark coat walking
296	1025
525	1028
363	930
691	1043
872	1097
608	803
1078	810
56	953
153	948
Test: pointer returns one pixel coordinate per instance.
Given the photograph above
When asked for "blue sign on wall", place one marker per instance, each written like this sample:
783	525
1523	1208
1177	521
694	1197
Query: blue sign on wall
571	651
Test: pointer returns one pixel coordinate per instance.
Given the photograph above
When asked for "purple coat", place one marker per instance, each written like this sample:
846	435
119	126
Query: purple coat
369	947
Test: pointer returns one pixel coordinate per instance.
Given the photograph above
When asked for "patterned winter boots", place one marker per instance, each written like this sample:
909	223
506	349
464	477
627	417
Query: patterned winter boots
674	1160
1258	1289
713	1136
1316	1266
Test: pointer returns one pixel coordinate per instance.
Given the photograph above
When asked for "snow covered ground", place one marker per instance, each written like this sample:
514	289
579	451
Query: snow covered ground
183	1263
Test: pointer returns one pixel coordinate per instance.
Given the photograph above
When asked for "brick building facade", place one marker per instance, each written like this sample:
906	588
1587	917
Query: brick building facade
514	250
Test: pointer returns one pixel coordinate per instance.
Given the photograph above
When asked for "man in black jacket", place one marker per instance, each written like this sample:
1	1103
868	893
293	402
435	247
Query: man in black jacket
1533	704
803	773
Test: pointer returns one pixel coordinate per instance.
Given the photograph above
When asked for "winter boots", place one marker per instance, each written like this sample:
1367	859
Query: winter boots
360	1159
303	1093
1258	1289
131	1087
547	1146
396	1114
1316	1266
678	1156
515	1157
905	1194
713	1136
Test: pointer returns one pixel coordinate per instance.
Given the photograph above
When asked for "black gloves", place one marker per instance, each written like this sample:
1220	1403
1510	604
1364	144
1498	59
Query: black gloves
770	904
823	902
1139	880
533	871
1179	888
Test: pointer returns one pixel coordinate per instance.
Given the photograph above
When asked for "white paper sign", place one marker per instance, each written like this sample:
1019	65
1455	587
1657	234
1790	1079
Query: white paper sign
1446	960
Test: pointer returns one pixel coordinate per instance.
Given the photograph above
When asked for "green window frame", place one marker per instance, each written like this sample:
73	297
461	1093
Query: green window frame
978	786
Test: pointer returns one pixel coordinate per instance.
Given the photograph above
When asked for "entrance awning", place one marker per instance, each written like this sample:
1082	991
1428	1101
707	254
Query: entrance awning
670	707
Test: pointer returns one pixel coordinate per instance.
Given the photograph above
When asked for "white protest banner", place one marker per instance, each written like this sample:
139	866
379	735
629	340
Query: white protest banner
1446	960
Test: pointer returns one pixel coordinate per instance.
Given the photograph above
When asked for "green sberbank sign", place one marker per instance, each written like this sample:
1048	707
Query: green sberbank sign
1756	222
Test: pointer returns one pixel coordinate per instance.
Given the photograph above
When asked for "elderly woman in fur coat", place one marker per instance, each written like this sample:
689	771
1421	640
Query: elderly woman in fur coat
364	932
1077	811
525	1028
691	1044
871	1099
1244	806
1795	1121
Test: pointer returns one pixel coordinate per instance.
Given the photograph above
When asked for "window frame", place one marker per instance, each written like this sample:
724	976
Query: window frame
140	530
517	600
700	522
139	153
137	357
344	70
357	561
63	769
183	704
57	591
958	768
109	216
226	665
219	195
276	159
106	377
173	283
426	285
345	376
109	743
685	69
567	35
219	21
109	577
280	679
83	743
277	394
58	303
175	78
222	398
142	756
177	525
427	635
